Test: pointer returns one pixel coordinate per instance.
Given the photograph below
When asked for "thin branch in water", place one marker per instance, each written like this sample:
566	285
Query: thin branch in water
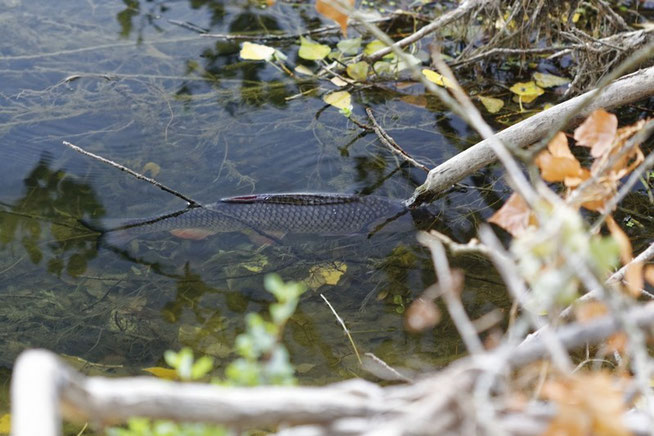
347	332
190	201
389	142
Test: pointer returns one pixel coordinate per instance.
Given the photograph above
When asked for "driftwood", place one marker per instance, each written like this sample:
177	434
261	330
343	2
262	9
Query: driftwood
44	390
629	89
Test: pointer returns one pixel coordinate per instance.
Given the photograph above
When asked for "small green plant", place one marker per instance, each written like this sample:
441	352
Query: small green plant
263	360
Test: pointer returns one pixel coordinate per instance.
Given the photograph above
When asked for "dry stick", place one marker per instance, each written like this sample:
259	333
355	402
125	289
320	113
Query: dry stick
389	142
454	305
347	332
627	90
438	23
161	186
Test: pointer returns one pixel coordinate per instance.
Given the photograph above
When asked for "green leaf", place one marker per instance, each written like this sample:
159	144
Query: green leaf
605	252
349	46
312	51
201	367
358	71
374	46
256	52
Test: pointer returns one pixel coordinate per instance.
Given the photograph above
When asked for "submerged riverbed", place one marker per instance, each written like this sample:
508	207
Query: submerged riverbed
127	81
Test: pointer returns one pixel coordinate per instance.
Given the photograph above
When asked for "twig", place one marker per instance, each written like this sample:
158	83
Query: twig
389	142
643	257
473	246
347	332
161	186
438	23
453	302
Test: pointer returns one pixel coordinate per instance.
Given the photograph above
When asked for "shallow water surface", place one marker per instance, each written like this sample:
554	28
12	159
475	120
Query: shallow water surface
127	81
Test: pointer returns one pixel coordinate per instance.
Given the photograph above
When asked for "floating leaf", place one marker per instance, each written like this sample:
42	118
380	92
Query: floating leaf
526	92
327	274
301	69
407	62
339	82
5	423
492	104
256	52
349	46
376	45
164	373
339	99
597	132
545	80
312	51
437	78
514	216
326	9
358	71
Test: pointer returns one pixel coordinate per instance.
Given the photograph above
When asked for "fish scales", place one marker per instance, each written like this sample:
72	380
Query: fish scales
274	213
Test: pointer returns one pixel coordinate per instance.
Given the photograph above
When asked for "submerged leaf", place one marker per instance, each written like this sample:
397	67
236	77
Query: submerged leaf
312	51
256	52
328	10
492	104
327	274
545	80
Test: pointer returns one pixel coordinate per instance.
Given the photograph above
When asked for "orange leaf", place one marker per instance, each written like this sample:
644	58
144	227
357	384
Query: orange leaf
558	164
421	315
633	276
327	9
589	310
597	132
514	216
649	274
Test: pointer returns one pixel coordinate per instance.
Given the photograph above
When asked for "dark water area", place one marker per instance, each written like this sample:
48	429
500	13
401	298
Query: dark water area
123	80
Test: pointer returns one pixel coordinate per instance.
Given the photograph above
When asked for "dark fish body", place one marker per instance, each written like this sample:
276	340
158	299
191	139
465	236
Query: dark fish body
324	214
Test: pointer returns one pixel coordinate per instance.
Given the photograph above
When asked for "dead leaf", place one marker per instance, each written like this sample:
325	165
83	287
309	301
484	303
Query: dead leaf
649	274
633	276
558	164
514	216
326	9
597	132
492	104
587	404
164	373
421	315
589	310
326	274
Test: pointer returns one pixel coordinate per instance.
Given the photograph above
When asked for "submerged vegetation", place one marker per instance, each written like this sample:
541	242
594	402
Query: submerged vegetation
530	331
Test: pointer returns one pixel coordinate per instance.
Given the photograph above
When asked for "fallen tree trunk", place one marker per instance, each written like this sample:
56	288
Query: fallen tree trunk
628	89
44	388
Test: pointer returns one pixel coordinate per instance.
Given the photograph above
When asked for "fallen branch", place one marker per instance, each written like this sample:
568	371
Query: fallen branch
627	90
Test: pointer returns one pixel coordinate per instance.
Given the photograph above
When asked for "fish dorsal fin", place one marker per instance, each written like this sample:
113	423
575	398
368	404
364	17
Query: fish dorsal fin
294	199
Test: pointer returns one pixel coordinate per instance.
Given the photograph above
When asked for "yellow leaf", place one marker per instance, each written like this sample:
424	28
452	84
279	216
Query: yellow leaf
436	78
256	52
5	423
327	274
527	90
301	69
545	80
339	82
312	51
339	99
164	373
492	104
374	46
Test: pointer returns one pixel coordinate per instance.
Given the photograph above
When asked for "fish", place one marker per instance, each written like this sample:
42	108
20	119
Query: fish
269	215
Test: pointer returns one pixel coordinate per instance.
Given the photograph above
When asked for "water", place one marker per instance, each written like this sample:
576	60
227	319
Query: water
122	80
